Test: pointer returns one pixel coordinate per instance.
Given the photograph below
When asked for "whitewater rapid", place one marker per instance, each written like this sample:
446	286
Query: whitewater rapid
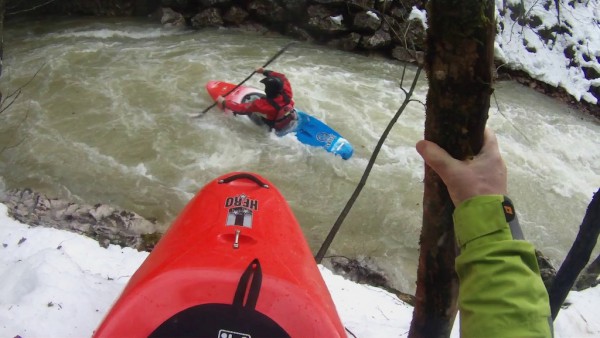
108	119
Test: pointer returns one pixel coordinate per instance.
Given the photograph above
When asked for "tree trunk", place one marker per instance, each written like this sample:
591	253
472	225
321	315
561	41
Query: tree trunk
2	9
458	61
578	256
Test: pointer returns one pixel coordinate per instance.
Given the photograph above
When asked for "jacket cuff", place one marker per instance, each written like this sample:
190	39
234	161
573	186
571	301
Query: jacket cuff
267	72
481	219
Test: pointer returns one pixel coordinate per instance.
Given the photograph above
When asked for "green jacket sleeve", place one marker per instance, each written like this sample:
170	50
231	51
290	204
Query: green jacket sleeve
501	293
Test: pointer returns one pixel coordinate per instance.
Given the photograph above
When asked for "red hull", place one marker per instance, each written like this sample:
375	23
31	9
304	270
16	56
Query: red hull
196	262
216	88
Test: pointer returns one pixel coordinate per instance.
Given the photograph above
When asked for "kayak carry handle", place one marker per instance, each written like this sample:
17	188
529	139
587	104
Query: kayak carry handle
244	175
236	241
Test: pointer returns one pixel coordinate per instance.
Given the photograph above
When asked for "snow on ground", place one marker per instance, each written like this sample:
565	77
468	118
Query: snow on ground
537	50
57	283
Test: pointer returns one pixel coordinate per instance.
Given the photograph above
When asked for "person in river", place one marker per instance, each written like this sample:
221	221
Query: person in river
276	109
501	293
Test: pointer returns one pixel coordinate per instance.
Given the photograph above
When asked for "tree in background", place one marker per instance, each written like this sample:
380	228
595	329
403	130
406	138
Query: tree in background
459	63
2	7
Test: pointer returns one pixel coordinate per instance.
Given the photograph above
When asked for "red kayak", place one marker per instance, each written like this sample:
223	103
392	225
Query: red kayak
234	264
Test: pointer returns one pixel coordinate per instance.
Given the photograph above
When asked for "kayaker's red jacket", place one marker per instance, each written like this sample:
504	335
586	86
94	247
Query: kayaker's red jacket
265	109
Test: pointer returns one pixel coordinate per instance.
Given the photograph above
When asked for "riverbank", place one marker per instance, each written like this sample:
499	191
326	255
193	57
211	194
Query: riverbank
552	51
554	92
112	226
58	284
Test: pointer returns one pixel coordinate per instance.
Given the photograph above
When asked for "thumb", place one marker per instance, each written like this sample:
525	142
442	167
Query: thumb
437	158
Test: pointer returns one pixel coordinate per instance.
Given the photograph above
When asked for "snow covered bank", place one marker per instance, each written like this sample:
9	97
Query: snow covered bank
59	284
557	46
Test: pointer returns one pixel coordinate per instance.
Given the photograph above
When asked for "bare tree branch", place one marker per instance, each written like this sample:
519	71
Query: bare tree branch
15	94
338	223
18	127
578	256
30	9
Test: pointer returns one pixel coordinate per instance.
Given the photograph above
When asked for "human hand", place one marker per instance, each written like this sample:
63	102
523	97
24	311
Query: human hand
220	100
260	70
484	174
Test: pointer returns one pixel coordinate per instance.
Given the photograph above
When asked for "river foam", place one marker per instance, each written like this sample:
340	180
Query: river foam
108	120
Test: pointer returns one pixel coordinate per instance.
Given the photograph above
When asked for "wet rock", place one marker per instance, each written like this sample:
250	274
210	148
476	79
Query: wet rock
547	271
298	33
364	271
330	2
366	3
210	17
177	4
400	13
268	11
170	18
365	22
209	3
254	28
376	41
408	55
590	277
347	43
105	223
295	7
408	34
235	15
325	21
587	279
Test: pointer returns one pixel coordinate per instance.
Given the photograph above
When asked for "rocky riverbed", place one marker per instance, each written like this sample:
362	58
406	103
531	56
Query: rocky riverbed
106	224
391	28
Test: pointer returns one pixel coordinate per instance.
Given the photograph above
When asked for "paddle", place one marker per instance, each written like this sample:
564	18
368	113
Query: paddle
249	76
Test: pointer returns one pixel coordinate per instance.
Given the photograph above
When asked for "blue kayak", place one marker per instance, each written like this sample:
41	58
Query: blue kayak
314	132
